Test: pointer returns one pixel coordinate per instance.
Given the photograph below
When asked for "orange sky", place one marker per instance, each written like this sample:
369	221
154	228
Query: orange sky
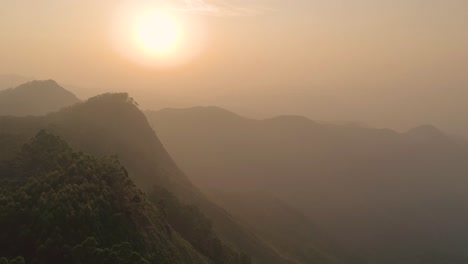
387	63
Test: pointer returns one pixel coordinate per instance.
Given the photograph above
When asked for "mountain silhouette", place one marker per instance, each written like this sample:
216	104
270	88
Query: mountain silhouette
8	81
62	206
35	98
427	132
371	189
112	124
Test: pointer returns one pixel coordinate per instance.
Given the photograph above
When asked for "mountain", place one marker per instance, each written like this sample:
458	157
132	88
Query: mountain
389	197
62	206
112	124
35	98
427	132
8	81
283	226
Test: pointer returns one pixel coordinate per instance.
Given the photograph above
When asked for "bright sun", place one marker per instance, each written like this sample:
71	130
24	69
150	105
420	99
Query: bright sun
155	36
157	33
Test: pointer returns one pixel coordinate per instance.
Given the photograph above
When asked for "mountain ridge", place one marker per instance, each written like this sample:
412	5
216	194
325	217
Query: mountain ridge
62	206
35	98
112	124
353	181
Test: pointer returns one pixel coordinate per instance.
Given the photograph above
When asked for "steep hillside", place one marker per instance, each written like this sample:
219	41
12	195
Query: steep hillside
287	229
35	98
372	189
112	124
61	206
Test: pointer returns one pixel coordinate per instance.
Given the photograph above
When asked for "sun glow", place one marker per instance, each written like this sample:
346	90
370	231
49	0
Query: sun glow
155	36
158	33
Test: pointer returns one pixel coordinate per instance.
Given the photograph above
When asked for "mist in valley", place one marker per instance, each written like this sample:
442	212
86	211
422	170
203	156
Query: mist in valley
238	132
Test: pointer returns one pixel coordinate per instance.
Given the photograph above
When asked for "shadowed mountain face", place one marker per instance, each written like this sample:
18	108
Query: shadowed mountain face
35	98
392	197
112	124
61	206
283	226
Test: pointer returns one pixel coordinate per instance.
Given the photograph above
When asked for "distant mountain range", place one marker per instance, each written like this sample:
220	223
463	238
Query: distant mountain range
389	197
35	98
281	190
8	81
112	124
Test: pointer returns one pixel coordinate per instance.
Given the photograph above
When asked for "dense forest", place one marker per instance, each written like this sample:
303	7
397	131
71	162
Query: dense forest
233	132
112	125
62	206
90	182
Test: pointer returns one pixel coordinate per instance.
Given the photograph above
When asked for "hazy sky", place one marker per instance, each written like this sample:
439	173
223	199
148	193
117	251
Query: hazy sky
392	63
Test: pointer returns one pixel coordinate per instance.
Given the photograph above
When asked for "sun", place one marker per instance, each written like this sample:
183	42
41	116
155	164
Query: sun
157	33
156	36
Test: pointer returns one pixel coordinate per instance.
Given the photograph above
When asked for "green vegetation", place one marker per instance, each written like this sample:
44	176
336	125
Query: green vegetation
112	124
61	206
17	260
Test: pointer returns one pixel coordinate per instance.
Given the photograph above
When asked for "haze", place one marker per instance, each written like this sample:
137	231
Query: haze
234	131
384	63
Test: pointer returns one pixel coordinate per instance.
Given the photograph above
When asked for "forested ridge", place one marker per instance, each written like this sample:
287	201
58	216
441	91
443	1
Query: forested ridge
62	206
113	124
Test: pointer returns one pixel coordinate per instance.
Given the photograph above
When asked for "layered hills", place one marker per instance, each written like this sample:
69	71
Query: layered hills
390	197
112	124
